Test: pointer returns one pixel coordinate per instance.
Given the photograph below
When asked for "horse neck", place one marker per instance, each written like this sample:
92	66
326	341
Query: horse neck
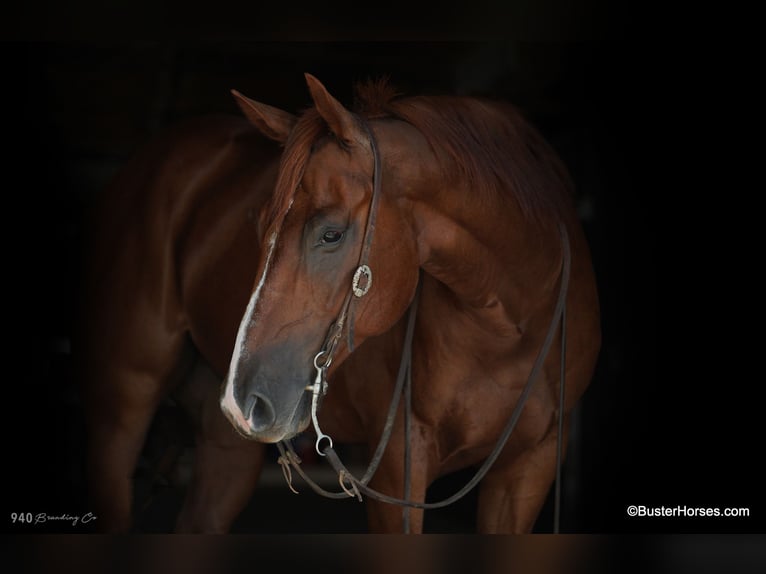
497	265
499	268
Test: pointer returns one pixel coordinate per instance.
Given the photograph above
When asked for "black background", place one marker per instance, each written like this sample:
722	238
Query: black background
666	421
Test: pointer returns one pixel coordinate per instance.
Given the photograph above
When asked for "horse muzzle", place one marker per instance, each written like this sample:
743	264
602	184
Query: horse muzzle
265	410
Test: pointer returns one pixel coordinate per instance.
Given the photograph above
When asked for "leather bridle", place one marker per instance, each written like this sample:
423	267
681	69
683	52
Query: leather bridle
360	286
361	283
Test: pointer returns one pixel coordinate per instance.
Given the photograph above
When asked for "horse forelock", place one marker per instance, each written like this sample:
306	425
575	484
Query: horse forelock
298	147
372	100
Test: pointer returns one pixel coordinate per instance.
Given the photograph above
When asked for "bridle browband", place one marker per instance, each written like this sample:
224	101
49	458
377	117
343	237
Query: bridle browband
360	286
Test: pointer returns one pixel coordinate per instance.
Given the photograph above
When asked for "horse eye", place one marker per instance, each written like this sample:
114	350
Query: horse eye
331	236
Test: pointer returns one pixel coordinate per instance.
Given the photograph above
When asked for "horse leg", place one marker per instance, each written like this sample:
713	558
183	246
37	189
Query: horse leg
119	415
226	465
389	479
512	494
125	374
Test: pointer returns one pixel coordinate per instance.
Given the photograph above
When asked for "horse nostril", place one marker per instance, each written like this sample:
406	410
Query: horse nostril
259	412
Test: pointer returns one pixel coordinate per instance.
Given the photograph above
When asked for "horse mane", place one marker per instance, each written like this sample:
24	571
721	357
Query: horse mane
486	143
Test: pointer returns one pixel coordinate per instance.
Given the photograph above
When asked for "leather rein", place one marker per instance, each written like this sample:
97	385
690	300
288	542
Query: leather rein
361	283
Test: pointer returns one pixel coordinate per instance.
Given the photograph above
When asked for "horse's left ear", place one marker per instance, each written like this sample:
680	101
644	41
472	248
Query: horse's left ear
272	122
341	121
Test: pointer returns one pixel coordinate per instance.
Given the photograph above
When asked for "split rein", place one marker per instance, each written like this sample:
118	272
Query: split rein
352	486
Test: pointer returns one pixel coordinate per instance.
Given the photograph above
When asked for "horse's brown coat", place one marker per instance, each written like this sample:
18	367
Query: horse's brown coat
488	246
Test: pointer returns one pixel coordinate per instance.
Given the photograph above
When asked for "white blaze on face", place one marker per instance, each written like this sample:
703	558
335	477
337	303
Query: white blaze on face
228	403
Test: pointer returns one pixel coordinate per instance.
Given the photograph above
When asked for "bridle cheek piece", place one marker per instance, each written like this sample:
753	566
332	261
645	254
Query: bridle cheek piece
360	286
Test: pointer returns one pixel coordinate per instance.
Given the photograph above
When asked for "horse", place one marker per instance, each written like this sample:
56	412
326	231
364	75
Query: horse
457	204
171	252
168	267
173	268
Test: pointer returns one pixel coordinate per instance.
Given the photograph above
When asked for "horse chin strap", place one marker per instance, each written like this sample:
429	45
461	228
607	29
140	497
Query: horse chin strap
361	283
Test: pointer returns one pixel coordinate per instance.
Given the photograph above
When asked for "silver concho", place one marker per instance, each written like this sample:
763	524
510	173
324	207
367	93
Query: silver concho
363	276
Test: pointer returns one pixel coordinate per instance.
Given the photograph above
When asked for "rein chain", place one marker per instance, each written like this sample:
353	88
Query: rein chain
354	487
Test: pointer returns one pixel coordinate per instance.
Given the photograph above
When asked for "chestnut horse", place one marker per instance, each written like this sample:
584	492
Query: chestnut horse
172	255
471	195
466	194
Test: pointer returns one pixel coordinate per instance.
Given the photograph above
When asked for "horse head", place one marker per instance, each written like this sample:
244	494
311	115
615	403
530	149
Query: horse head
322	280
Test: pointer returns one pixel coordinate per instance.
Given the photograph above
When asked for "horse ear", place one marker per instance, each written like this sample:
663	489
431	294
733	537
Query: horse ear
272	122
341	121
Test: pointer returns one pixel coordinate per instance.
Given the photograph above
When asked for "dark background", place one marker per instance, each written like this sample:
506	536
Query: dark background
658	426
